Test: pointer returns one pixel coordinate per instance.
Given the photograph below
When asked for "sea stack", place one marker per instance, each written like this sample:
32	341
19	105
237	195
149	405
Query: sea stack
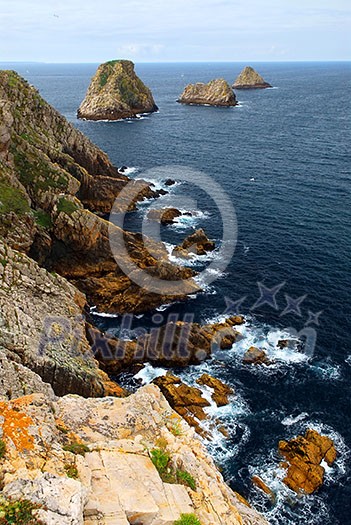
116	92
216	93
250	79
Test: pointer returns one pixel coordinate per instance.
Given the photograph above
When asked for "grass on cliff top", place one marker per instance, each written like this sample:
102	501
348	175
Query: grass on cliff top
12	199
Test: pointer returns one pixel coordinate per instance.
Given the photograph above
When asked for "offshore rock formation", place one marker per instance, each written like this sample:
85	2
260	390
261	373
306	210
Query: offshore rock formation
304	456
216	93
51	179
88	461
195	244
250	79
115	92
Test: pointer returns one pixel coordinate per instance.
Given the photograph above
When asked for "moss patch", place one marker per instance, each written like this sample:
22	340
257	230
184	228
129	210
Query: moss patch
12	199
66	206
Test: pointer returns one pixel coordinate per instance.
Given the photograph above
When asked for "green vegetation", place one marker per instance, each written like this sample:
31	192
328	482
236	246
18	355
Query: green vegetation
176	429
43	219
19	512
71	470
12	199
160	459
37	174
187	519
66	206
2	448
76	448
185	478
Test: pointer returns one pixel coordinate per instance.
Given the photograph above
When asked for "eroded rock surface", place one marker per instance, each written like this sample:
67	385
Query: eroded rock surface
116	92
114	481
250	79
216	93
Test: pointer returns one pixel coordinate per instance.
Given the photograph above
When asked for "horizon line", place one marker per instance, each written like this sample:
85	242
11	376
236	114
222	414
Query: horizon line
179	61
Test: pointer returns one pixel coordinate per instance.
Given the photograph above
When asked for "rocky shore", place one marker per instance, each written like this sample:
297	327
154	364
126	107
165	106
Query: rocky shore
75	447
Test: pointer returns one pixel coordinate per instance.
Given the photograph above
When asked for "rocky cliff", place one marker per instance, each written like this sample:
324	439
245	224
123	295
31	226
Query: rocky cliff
215	93
77	459
250	79
116	92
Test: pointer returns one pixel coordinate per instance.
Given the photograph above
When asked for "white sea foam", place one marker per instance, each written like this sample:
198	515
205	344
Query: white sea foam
130	171
149	373
290	420
93	311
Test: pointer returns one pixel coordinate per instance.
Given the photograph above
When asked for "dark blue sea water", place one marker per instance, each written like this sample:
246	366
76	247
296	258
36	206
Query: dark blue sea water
283	157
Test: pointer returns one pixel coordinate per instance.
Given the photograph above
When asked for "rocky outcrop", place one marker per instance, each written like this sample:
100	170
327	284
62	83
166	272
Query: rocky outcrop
195	244
51	179
221	391
216	93
164	215
116	92
255	356
176	343
250	79
304	455
42	333
89	461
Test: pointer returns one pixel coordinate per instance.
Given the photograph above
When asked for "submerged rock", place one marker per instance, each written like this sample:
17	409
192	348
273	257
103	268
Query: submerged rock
304	455
116	92
250	79
216	93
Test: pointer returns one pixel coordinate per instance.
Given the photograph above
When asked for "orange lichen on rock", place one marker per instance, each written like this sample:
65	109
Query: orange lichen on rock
15	426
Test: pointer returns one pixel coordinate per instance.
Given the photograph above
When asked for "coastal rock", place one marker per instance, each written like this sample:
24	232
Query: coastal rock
195	244
250	79
42	329
175	344
164	215
221	391
216	93
51	181
114	478
116	92
255	356
304	455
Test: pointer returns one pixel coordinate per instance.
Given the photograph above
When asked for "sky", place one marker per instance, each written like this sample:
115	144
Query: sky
174	31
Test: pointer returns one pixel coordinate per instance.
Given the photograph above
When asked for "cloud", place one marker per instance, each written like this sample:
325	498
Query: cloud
86	30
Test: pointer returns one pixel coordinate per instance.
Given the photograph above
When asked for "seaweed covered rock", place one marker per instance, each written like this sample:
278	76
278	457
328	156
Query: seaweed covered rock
216	93
116	92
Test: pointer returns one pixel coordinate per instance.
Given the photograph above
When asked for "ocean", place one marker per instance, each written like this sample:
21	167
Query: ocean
282	156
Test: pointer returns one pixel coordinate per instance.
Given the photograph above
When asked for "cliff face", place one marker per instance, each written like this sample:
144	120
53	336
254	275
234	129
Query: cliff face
51	179
215	93
116	92
114	480
250	79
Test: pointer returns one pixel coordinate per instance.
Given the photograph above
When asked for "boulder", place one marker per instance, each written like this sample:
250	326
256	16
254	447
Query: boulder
164	215
255	356
304	455
116	92
250	79
195	244
216	93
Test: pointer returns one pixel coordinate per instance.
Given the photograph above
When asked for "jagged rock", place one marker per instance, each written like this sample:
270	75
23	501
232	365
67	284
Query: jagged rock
115	92
164	215
197	243
176	344
216	93
221	391
262	485
115	479
250	79
255	356
169	182
304	455
51	173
